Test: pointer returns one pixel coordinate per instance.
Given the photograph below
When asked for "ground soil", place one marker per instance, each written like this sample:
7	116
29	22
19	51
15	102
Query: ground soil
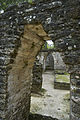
50	101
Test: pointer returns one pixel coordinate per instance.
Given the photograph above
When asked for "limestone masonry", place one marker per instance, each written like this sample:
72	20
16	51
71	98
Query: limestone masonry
23	30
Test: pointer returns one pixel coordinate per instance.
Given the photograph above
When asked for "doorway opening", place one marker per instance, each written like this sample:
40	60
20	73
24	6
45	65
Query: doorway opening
53	97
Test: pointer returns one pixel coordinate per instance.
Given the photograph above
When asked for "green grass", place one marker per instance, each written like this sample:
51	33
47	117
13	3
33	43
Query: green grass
63	78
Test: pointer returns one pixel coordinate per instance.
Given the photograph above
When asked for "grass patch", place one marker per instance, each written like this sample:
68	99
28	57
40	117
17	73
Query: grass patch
63	78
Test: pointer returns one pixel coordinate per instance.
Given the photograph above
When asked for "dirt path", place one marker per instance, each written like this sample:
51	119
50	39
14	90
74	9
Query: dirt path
53	103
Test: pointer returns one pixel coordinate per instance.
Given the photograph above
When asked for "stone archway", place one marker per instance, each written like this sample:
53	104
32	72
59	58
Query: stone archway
20	42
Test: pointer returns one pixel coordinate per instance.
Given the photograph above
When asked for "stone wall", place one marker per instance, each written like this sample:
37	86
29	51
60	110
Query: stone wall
46	59
23	30
58	62
75	96
49	62
18	63
52	60
19	77
61	85
37	77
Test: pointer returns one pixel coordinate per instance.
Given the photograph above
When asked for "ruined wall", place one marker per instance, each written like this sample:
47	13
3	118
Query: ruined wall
54	61
58	62
19	77
20	42
46	59
37	77
42	59
49	62
16	103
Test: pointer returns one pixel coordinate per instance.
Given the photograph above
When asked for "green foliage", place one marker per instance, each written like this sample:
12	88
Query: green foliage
50	47
5	3
47	46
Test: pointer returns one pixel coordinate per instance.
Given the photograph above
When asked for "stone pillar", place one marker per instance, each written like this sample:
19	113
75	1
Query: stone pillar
75	96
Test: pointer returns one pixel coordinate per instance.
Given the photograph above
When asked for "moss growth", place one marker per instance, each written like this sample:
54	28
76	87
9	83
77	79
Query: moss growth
65	73
63	78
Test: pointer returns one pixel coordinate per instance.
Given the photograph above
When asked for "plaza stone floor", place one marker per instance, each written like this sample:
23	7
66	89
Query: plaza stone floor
51	102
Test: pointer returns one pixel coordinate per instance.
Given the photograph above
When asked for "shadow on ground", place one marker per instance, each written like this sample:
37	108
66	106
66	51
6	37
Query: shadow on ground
40	117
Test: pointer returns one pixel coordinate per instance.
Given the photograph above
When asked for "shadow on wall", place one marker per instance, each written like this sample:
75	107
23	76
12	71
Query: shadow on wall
40	117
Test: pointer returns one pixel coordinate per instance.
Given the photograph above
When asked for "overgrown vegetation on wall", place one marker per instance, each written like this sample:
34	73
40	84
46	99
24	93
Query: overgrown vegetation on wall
5	3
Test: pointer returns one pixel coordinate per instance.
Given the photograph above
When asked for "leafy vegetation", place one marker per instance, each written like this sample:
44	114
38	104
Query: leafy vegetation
50	47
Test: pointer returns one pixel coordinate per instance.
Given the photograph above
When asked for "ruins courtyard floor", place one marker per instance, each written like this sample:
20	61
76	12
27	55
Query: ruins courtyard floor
51	102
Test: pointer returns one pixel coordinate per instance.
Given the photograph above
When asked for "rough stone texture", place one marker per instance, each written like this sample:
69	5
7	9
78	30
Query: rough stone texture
52	60
19	78
61	85
37	77
46	59
19	75
49	62
75	96
20	42
58	62
43	58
